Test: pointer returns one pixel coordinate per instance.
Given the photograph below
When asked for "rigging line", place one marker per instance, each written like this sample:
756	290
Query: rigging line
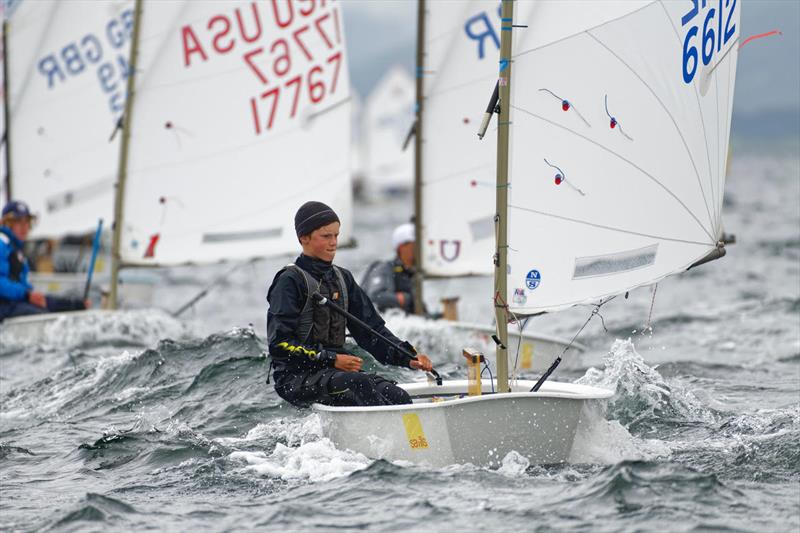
445	90
649	324
587	30
720	157
674	122
557	361
313	187
308	118
610	228
212	155
210	286
715	221
456	174
631	163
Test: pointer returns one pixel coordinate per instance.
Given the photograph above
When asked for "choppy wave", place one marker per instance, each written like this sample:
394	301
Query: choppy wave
75	330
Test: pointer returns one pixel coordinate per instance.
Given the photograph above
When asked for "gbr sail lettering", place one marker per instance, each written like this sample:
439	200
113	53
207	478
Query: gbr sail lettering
709	26
104	51
292	48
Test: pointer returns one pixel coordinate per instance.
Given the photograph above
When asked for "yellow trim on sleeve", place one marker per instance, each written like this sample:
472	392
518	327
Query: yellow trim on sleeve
297	349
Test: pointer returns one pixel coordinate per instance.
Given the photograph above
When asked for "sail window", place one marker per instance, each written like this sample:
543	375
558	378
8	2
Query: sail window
482	228
603	265
272	233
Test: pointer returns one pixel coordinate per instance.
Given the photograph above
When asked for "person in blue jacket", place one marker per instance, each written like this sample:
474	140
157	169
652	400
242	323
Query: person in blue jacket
17	296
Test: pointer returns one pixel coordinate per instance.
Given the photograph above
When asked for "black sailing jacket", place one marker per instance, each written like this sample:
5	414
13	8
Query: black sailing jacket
292	357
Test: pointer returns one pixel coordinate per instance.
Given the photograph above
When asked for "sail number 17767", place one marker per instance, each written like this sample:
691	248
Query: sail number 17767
711	27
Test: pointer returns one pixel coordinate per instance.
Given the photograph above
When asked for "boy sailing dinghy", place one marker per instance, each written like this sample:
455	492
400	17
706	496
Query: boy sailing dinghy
454	211
236	112
633	132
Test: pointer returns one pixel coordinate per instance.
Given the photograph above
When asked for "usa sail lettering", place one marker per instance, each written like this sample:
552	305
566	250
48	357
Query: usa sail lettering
79	56
292	49
710	29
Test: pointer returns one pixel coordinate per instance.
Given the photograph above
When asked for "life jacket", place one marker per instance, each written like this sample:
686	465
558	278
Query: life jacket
16	259
318	324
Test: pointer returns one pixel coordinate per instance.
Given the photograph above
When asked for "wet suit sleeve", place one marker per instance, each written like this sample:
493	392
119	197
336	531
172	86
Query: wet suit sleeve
286	297
14	291
380	286
360	305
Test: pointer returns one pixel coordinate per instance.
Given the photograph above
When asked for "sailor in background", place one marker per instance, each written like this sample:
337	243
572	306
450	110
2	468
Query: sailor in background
390	284
17	297
306	340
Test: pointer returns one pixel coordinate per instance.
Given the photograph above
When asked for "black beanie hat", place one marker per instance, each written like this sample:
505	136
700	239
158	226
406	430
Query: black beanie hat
313	215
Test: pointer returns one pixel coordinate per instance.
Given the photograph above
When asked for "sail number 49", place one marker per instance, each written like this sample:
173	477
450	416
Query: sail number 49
708	34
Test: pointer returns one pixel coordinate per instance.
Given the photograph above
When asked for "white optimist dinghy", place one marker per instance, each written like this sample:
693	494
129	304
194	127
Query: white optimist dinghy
618	160
445	426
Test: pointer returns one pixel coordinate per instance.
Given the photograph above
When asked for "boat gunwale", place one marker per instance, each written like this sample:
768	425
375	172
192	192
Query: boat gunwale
587	393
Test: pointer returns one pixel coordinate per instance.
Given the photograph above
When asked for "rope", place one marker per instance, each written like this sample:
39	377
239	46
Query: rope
648	325
595	311
210	286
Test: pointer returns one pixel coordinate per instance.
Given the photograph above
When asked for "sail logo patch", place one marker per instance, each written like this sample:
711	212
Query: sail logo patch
533	279
519	297
414	432
450	250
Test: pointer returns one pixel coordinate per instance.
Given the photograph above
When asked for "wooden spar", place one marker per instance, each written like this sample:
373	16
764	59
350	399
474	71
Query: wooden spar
501	221
119	193
419	305
6	134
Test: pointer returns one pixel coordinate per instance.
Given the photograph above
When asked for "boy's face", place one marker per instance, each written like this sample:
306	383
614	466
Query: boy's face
322	242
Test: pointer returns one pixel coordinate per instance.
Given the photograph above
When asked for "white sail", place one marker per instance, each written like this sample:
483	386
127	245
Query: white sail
620	126
462	39
388	116
3	193
67	67
240	115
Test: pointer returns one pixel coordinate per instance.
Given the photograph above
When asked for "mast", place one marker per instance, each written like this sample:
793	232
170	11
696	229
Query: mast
119	194
6	135
419	304
501	220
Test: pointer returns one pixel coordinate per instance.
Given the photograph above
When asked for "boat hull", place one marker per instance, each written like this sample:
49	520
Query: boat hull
480	430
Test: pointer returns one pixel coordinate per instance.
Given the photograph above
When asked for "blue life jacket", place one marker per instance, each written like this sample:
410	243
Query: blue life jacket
14	268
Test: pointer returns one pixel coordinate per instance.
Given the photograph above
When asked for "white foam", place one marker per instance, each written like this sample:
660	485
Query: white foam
514	465
314	461
601	441
294	431
143	327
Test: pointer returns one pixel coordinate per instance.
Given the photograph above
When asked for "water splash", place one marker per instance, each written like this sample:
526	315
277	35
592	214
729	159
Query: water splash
643	397
313	461
144	327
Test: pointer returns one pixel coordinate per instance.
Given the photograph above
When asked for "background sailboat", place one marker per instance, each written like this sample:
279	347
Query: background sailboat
458	43
234	121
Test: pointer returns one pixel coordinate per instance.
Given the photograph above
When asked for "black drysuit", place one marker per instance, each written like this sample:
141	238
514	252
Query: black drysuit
304	371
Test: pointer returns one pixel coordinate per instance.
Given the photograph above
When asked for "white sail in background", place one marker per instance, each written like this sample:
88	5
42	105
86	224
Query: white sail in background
3	193
620	126
67	68
462	39
241	114
388	116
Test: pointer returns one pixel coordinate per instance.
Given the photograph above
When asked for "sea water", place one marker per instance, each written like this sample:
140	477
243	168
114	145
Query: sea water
143	421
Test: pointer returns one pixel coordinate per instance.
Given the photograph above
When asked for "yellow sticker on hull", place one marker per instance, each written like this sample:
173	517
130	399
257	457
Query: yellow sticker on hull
416	437
527	355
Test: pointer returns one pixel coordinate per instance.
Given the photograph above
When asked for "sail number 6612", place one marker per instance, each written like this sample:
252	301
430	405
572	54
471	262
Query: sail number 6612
712	38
